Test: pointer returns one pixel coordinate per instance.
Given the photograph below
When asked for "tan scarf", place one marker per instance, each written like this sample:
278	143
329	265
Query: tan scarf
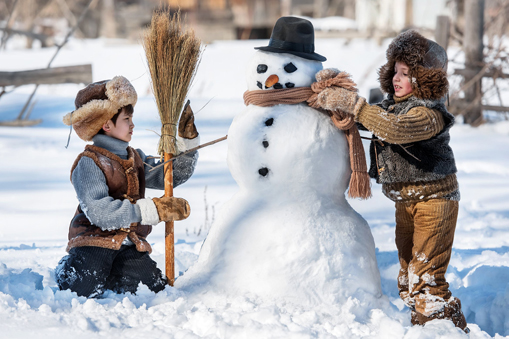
359	186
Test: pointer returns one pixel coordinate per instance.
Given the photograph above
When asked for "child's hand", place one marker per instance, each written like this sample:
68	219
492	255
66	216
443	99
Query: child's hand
187	128
156	210
337	98
171	208
336	91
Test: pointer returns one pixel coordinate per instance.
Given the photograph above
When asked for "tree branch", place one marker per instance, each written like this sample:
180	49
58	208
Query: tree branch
59	47
187	152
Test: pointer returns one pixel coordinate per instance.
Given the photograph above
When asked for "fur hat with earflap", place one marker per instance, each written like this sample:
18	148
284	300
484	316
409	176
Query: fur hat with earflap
426	60
99	102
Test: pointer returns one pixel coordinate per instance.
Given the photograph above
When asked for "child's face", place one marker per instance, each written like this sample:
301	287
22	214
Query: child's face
400	80
123	129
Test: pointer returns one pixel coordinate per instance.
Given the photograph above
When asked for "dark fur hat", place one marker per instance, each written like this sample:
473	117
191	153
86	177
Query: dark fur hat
426	60
99	102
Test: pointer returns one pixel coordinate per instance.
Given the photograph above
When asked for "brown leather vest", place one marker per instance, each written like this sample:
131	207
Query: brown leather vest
125	180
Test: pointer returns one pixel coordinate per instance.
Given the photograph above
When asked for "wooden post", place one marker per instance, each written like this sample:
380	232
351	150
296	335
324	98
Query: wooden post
473	48
169	235
108	21
349	9
320	8
442	31
409	13
286	7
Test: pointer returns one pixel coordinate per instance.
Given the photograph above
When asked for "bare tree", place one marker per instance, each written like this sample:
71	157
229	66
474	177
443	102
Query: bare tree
485	64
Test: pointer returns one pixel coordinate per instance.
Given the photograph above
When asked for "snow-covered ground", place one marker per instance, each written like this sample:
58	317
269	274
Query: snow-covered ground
37	202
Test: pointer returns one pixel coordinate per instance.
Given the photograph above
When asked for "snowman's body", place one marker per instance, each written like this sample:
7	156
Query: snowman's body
289	232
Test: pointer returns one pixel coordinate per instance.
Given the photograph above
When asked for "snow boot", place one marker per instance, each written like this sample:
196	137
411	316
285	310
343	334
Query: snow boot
452	311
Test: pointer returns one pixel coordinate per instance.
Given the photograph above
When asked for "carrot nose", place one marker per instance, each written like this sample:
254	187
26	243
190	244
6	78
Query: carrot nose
271	80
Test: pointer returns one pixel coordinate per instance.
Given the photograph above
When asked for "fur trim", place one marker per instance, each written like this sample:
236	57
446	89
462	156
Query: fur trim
410	47
430	83
120	91
133	184
113	242
89	119
149	215
385	75
131	175
184	144
141	244
98	103
86	153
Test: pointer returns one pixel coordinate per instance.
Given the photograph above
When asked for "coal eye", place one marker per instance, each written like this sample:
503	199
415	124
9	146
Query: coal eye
290	68
261	68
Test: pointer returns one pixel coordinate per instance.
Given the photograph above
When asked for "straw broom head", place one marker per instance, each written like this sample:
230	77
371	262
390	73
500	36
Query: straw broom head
172	55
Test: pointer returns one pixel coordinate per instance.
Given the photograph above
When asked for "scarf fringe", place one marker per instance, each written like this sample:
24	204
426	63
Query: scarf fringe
360	186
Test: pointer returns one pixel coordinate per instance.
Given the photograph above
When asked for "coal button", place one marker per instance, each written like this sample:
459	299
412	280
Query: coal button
265	143
263	171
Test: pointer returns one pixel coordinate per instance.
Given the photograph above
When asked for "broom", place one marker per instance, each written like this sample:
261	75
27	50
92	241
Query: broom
172	55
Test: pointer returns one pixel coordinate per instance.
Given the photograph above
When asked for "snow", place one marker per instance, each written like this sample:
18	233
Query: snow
37	202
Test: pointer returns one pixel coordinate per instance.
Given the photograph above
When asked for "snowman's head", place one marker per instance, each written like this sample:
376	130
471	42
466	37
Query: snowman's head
269	71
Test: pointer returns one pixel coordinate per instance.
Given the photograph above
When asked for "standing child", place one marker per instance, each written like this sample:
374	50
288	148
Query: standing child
411	158
107	236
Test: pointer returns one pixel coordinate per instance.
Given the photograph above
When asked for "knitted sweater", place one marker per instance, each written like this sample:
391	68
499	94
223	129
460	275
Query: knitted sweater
92	191
410	155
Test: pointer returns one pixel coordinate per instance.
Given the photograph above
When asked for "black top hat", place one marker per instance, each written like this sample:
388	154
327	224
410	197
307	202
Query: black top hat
294	36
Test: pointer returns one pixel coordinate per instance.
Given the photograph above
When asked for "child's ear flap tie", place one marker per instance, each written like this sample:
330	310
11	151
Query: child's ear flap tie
70	131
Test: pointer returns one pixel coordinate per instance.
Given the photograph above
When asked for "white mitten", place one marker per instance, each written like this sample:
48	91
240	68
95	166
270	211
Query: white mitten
149	215
185	144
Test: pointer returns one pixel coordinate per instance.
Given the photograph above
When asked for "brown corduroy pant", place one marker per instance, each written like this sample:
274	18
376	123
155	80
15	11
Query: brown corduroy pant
424	237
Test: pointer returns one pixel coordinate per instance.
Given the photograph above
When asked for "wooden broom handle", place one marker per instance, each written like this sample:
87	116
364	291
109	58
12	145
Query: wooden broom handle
169	235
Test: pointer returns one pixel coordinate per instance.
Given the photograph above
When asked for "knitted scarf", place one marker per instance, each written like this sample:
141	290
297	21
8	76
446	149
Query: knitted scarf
359	186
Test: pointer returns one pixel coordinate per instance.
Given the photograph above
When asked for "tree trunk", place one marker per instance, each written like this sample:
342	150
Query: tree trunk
442	31
349	9
108	22
473	48
409	13
320	8
286	7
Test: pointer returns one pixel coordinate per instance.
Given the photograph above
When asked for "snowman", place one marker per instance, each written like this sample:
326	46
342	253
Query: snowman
289	232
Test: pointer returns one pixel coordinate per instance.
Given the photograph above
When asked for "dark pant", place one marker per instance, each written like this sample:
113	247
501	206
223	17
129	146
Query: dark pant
89	271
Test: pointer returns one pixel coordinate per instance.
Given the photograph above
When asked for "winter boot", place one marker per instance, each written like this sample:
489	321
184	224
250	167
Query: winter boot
451	311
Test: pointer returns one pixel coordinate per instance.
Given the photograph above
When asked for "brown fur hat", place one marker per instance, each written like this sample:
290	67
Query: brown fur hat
99	102
426	60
